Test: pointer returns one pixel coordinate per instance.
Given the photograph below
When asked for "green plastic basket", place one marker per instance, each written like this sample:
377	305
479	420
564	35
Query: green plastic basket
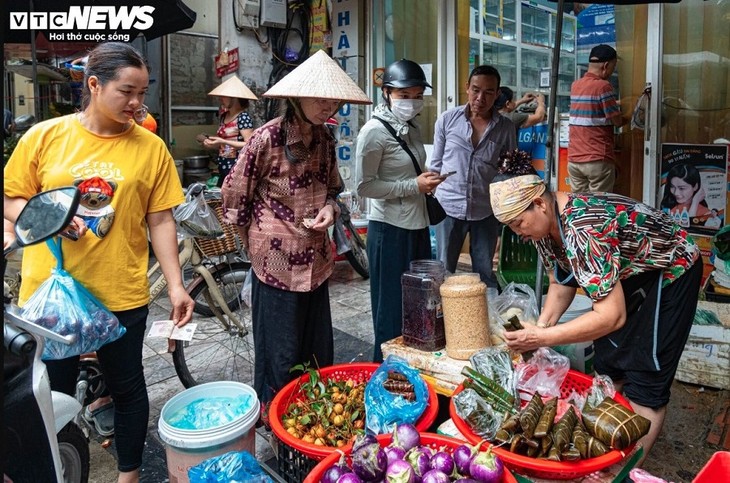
518	261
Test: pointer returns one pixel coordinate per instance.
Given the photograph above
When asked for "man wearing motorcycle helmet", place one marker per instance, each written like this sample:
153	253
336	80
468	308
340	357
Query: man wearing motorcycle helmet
385	173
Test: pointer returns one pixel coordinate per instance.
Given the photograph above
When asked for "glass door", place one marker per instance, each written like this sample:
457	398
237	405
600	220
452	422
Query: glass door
413	31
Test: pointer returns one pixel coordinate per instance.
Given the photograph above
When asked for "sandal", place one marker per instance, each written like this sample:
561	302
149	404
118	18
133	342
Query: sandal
102	418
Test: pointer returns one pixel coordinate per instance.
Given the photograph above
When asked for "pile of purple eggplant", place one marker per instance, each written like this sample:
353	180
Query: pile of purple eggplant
410	458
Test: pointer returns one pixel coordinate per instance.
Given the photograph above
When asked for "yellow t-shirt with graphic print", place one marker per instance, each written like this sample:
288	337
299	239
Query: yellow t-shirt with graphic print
122	178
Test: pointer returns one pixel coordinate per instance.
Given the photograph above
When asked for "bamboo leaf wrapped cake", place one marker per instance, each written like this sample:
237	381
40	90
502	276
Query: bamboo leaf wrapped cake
614	424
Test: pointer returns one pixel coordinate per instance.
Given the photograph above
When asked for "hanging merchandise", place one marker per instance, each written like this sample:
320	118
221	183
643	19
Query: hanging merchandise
226	62
320	35
638	118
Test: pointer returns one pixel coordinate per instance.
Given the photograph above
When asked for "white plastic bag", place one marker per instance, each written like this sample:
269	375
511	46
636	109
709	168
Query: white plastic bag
195	218
246	289
516	299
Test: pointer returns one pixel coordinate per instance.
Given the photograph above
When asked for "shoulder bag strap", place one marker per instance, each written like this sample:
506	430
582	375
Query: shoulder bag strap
402	144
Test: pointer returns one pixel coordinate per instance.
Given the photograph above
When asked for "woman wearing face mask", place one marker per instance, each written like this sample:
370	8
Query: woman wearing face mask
398	227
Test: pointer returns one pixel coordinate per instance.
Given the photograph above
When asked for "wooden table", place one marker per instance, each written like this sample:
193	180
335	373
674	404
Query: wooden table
443	372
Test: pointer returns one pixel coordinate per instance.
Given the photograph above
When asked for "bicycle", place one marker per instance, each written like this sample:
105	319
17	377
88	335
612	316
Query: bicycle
348	243
214	272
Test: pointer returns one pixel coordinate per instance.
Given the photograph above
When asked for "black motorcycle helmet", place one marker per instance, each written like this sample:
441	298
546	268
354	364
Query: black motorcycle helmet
403	74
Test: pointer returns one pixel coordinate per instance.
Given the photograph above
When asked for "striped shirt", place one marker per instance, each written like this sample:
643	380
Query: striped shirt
593	106
607	238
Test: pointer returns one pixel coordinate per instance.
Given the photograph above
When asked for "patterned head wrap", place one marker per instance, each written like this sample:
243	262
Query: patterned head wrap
513	196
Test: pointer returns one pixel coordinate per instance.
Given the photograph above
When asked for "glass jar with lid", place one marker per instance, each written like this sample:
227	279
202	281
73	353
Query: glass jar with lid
423	320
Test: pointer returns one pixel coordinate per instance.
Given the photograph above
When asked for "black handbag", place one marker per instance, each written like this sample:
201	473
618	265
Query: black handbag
436	213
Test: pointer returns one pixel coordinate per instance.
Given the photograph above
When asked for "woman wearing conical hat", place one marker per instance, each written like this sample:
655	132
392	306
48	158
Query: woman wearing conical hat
281	193
235	126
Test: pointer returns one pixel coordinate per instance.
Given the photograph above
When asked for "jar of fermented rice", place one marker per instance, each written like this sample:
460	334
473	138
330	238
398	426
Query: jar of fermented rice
466	319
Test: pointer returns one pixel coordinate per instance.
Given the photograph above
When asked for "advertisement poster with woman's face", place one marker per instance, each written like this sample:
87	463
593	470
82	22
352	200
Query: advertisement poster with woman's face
694	185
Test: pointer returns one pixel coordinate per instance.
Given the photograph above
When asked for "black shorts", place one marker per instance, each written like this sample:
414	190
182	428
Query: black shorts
645	352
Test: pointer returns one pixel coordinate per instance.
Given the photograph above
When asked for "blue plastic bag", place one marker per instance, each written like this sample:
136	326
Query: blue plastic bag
231	467
64	306
384	409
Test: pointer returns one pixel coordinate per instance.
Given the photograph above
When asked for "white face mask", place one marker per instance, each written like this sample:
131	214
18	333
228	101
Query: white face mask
406	109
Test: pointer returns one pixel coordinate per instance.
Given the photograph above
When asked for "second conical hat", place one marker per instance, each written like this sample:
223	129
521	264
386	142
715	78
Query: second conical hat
320	77
233	87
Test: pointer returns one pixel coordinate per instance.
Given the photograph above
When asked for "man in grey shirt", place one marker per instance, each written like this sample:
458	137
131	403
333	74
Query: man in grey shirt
468	140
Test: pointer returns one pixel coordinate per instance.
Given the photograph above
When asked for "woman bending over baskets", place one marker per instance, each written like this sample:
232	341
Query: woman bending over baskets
641	270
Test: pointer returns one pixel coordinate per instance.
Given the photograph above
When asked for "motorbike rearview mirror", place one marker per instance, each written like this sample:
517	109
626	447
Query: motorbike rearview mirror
46	214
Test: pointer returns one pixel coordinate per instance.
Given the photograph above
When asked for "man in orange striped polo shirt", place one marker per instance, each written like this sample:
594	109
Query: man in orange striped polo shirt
594	111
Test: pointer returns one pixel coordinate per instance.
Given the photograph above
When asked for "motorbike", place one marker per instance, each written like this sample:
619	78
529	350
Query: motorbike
43	442
347	242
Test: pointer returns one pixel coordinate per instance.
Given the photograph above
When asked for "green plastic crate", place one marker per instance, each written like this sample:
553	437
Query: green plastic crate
518	261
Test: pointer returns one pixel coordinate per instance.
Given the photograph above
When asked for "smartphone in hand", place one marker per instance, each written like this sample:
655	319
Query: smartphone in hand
446	175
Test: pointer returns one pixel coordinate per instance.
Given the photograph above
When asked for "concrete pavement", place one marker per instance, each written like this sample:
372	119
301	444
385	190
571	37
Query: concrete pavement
696	427
350	303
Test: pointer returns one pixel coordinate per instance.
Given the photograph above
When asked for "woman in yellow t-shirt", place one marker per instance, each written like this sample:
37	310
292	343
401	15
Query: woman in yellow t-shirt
128	185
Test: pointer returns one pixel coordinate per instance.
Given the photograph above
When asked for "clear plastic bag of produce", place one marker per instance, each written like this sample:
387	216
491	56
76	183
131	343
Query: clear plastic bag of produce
194	218
385	408
496	364
601	388
543	373
516	299
231	467
477	413
64	306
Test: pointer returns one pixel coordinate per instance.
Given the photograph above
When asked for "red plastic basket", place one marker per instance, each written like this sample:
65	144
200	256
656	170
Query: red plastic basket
551	470
359	372
434	441
716	470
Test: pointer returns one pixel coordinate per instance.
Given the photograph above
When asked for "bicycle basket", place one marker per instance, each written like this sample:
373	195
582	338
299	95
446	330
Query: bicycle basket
219	246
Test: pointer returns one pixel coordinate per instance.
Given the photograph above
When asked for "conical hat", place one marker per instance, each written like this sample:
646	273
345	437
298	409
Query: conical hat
233	87
320	77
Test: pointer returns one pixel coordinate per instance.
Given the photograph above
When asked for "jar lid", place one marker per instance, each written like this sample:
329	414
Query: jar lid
462	279
427	266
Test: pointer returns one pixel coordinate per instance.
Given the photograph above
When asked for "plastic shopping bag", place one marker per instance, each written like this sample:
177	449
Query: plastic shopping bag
246	289
383	408
64	306
543	373
234	466
195	218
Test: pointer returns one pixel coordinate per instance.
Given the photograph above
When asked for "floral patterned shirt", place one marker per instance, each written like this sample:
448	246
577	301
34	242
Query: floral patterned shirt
270	196
609	237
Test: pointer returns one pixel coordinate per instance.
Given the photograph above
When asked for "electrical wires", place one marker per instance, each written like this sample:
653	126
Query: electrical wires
284	59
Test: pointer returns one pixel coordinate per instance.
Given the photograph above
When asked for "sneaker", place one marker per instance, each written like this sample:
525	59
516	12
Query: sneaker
101	418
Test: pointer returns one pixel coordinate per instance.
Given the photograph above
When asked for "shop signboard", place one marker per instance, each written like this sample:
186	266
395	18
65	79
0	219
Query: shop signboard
596	25
694	185
533	140
346	51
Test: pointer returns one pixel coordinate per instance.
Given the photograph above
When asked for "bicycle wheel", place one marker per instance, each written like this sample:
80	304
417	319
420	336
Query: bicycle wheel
357	256
217	353
229	289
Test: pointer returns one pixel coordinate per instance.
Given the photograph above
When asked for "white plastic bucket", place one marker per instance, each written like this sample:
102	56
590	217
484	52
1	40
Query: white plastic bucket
186	448
580	353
